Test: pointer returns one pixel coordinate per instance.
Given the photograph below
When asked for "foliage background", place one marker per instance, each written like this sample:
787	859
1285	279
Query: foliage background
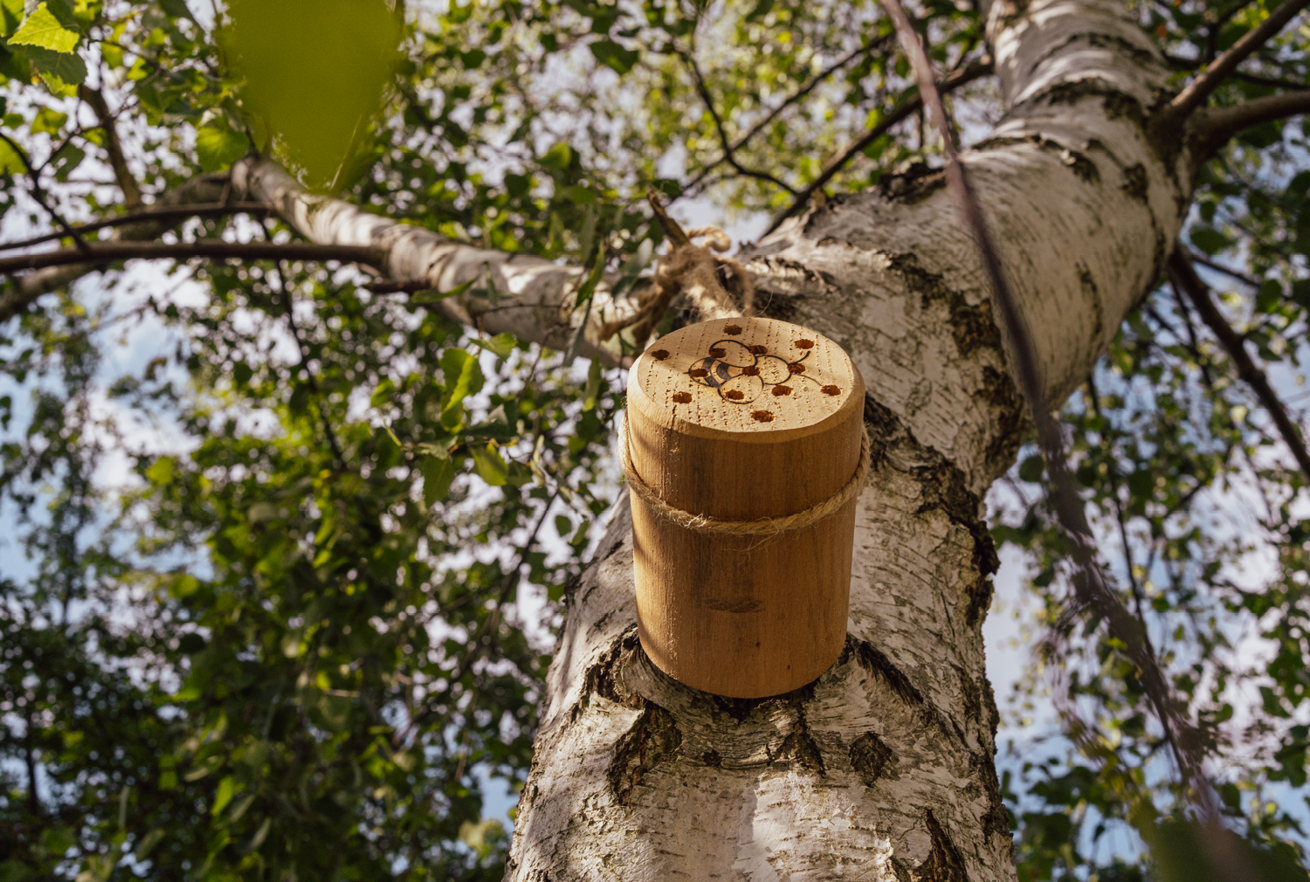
291	567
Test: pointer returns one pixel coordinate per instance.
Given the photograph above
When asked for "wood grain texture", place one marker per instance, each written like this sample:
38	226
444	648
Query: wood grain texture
740	419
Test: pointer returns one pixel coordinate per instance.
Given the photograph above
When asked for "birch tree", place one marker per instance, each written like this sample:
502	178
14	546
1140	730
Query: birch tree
338	673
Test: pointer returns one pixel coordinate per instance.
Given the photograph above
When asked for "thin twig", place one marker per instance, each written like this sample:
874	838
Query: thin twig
1091	589
980	68
1220	268
109	252
117	161
475	644
39	194
791	99
149	214
1192	64
728	155
311	381
1183	274
1200	88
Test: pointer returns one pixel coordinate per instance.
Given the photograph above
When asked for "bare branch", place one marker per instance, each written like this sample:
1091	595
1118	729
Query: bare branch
1184	275
126	180
1200	88
1212	127
980	68
204	189
728	155
151	213
1191	64
791	99
109	252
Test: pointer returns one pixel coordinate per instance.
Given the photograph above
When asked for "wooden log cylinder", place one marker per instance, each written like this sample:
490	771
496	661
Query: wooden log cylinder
743	420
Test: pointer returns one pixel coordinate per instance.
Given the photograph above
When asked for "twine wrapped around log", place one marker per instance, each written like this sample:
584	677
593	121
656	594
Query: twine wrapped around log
699	523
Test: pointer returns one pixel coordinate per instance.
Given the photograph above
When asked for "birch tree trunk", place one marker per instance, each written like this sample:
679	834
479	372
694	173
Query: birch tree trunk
884	767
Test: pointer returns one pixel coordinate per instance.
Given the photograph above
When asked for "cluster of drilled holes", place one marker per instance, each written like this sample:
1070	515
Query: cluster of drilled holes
759	350
804	344
698	373
782	390
751	371
796	368
660	354
733	395
716	352
831	390
763	416
682	397
734	330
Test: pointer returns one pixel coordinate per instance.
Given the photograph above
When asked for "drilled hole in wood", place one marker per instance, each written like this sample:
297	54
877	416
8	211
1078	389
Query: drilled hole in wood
831	390
733	395
759	350
796	368
751	371
698	372
660	354
782	390
763	416
804	344
682	397
716	352
734	330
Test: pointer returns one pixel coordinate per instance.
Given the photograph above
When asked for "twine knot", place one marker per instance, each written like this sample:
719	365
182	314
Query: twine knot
717	287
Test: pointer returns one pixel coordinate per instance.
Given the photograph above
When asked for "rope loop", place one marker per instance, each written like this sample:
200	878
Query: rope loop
758	527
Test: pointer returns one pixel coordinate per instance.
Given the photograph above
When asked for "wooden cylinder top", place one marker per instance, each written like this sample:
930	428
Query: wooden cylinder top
719	390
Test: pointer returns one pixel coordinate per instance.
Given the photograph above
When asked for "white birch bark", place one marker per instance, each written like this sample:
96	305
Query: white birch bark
883	769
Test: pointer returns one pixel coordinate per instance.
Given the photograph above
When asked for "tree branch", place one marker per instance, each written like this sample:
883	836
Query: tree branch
728	155
110	252
126	181
1193	64
1212	127
1200	88
205	189
791	99
1184	275
151	213
980	68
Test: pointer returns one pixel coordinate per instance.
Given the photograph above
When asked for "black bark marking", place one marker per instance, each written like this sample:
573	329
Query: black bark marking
871	758
1011	421
912	186
944	863
712	758
971	324
599	680
799	747
1078	162
876	661
1136	182
653	739
1117	104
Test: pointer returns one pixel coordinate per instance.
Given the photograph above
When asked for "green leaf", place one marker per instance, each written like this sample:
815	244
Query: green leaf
558	157
313	72
226	790
44	31
60	72
1209	240
614	56
437	477
1031	469
491	468
218	146
578	195
10	162
500	345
